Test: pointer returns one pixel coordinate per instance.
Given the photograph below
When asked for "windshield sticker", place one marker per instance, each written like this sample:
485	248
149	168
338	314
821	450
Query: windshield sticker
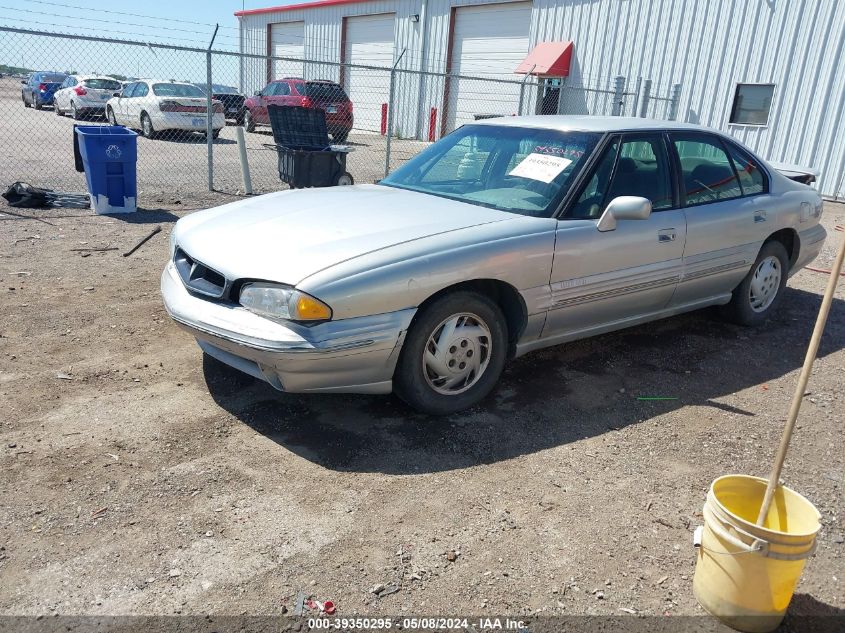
540	167
559	151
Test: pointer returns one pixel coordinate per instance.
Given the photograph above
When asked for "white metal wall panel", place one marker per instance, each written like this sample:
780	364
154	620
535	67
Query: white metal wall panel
489	41
287	39
369	42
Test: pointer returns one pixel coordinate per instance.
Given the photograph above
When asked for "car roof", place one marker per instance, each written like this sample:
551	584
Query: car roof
580	123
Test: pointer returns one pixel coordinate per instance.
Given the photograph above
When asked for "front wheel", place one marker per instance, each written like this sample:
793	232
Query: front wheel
758	296
453	355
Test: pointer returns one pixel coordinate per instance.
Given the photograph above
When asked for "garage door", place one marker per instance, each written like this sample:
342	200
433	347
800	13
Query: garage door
287	40
369	41
488	41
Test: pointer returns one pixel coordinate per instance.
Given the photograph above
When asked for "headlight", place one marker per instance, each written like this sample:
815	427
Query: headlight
278	302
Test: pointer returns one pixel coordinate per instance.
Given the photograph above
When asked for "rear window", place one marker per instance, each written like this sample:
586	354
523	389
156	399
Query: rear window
51	78
325	91
177	90
102	84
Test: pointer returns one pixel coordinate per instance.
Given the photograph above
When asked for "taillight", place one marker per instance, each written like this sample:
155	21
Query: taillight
79	90
168	106
307	103
42	87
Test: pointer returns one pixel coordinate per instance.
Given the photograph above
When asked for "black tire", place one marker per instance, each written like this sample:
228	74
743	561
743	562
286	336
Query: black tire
249	122
147	126
74	113
57	110
741	308
345	179
411	380
35	102
110	116
216	133
239	119
25	102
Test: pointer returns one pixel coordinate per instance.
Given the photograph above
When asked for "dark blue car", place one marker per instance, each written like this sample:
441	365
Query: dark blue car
39	89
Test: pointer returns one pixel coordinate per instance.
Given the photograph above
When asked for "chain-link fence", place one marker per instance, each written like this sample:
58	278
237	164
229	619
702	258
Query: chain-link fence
188	103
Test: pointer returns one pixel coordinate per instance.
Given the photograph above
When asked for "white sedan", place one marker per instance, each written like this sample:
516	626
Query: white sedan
154	106
83	95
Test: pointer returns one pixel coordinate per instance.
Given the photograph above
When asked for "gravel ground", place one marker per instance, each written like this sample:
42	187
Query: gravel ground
134	480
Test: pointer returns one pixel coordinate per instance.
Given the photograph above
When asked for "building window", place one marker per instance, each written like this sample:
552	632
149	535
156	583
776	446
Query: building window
752	103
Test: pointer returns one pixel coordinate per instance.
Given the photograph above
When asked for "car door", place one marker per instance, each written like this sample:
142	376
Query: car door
278	94
120	109
723	224
603	279
137	103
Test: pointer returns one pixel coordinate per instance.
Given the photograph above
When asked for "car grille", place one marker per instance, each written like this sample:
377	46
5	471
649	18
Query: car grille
198	277
230	101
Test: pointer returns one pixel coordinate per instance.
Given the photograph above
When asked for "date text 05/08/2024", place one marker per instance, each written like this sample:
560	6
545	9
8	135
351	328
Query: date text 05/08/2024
423	623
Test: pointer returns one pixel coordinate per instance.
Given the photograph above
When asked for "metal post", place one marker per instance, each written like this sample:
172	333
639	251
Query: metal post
637	96
390	108
247	180
646	97
618	96
522	89
560	95
209	128
673	105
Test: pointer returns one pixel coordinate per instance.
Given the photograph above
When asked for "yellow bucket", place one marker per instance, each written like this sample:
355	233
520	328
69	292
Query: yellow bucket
745	574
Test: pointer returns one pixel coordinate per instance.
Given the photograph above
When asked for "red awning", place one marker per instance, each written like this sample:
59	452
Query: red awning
549	59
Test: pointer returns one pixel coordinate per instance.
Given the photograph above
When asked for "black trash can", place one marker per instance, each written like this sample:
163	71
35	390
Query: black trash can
306	158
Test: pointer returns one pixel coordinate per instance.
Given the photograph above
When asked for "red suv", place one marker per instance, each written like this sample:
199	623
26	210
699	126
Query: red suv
326	95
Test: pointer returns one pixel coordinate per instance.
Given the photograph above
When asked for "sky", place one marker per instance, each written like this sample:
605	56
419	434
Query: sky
180	22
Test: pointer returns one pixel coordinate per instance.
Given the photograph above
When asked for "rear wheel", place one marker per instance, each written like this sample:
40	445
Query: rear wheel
76	114
453	355
216	133
110	116
25	102
249	122
760	293
147	126
38	105
57	109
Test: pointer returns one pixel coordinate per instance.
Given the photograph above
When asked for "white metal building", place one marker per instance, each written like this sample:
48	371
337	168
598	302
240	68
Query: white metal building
770	73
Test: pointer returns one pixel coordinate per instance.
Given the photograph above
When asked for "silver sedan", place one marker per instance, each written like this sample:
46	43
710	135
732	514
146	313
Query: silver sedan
506	236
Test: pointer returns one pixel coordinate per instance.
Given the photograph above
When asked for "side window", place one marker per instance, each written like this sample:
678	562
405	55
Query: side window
706	171
640	167
141	90
751	179
591	203
127	90
282	89
65	83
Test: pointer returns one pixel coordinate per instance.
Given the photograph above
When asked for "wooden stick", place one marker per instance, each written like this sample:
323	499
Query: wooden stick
803	378
143	241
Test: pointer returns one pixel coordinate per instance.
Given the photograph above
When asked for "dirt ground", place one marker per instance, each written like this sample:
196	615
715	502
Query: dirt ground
134	480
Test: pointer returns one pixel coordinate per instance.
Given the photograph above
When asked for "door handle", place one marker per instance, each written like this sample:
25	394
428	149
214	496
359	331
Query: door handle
760	216
666	235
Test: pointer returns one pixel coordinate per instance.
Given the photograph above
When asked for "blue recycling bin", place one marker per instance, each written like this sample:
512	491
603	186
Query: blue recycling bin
109	156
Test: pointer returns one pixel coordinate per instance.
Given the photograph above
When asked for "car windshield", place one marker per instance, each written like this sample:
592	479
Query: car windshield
177	90
325	91
51	78
103	84
521	170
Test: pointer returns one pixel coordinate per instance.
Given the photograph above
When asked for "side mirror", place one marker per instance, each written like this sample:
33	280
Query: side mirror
115	94
624	208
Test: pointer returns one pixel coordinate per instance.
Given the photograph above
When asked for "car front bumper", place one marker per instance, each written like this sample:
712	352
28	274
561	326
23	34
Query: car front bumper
355	355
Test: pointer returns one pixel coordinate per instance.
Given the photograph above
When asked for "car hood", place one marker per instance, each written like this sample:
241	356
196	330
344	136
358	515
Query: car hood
290	235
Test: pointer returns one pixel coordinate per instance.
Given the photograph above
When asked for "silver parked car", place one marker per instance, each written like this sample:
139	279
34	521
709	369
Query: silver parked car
506	236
